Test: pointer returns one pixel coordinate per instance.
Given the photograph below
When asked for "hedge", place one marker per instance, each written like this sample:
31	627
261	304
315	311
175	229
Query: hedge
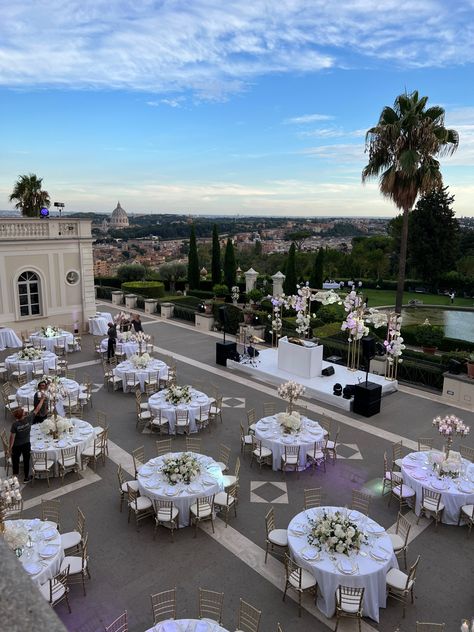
202	294
235	317
447	344
104	292
147	289
112	282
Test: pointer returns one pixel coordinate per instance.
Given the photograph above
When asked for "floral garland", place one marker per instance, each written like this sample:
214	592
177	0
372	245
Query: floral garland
30	353
181	469
335	533
178	395
290	423
49	332
140	361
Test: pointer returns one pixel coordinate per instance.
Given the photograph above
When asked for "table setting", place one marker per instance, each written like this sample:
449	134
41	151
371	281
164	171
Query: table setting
277	431
187	625
31	359
8	338
197	476
140	366
25	394
37	544
50	336
99	324
452	476
359	555
179	398
128	342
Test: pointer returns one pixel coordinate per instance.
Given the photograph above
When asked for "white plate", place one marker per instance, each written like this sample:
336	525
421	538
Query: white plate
374	529
466	488
49	534
33	568
379	555
48	551
310	554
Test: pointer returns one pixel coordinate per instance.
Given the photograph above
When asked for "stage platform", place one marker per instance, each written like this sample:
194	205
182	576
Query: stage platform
320	388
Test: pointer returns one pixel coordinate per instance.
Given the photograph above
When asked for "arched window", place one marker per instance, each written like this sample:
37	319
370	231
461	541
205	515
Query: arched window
29	294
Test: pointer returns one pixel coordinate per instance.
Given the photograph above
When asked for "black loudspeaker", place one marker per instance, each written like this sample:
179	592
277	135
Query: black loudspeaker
367	399
329	370
348	391
454	366
337	389
223	315
225	350
368	347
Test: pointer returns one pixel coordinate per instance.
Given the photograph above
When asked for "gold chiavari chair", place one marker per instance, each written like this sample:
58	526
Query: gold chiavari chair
166	514
72	541
387	475
138	456
119	625
317	456
349	604
401	585
193	445
360	502
215	411
425	444
330	447
467	452
298	579
246	441
163	605
269	409
123	485
95	452
397	455
140	506
226	501
50	511
182	421
210	604
202	419
402	492
251	420
41	465
249	618
56	589
223	457
163	447
399	539
260	453
159	422
78	566
201	510
232	479
68	462
466	514
431	504
274	537
313	497
291	459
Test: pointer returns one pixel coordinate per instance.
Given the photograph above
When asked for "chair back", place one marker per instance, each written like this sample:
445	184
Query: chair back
182	417
193	445
467	452
132	497
411	577
249	617
210	604
385	464
224	454
163	447
425	444
81	522
67	454
237	468
163	605
296	572
431	495
349	599
50	510
164	507
269	409
120	477
360	501
396	451
403	528
40	459
292	451
119	625
138	456
270	520
313	497
101	419
251	416
204	503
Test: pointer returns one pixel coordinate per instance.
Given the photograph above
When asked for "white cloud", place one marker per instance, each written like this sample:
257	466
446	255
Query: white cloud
309	118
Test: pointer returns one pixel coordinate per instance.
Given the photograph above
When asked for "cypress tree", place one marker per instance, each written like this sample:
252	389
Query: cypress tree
289	286
317	273
230	266
193	262
216	271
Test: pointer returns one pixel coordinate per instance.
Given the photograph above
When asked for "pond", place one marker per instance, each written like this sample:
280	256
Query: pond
457	323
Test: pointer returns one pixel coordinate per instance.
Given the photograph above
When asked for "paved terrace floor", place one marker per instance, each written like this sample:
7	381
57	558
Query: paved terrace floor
127	566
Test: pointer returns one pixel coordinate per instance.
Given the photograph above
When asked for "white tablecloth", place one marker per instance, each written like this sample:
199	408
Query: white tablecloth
129	348
155	366
199	400
8	338
83	436
187	625
417	473
152	484
298	360
270	433
25	394
47	358
328	285
98	326
65	337
371	574
42	533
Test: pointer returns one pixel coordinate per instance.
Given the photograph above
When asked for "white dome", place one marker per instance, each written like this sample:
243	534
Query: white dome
119	218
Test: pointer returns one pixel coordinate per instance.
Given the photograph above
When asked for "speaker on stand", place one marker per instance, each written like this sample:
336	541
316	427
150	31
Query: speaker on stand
224	350
368	396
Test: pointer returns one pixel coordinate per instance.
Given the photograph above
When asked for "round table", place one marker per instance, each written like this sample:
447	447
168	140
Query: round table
99	324
47	360
152	483
369	572
129	348
154	366
270	433
187	625
8	338
25	394
418	473
82	437
64	338
39	562
157	402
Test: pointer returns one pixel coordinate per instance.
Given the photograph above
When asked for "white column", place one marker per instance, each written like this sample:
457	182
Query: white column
250	279
278	280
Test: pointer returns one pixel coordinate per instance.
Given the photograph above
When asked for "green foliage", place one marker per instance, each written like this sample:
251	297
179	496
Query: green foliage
29	196
331	313
193	261
289	285
317	273
255	295
230	266
219	289
328	330
131	272
148	289
429	335
202	294
216	269
112	282
234	314
257	249
299	237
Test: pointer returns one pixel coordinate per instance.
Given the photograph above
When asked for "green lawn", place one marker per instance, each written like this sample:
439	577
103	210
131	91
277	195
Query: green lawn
387	297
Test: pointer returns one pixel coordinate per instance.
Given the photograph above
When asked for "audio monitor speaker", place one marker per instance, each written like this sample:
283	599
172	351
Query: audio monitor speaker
225	350
368	347
329	370
367	399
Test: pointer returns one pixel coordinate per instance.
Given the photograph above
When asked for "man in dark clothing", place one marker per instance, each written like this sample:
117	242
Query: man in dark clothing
20	441
40	403
112	334
137	323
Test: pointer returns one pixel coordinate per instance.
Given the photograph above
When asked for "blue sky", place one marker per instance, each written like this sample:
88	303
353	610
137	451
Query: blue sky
209	107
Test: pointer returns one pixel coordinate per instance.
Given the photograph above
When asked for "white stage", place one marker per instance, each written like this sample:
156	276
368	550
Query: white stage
320	388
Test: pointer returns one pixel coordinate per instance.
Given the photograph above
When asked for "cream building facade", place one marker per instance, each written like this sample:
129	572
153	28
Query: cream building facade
46	273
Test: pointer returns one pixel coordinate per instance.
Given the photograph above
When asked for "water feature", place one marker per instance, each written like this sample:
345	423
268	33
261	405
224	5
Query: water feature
457	323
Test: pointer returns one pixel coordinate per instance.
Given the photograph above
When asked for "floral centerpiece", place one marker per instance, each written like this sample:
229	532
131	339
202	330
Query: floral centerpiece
452	465
16	537
335	533
180	469
140	361
9	495
55	426
449	426
290	423
178	394
50	332
235	293
30	353
290	391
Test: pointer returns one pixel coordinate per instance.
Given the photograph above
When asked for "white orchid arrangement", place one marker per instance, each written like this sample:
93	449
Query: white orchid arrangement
290	422
178	395
235	292
140	361
290	391
118	318
30	353
335	533
50	332
181	469
16	536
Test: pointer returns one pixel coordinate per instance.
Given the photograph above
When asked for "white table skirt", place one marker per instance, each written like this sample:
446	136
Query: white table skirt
37	529
47	360
8	338
129	348
151	483
269	432
371	575
82	437
98	326
198	401
64	338
25	394
417	473
187	625
155	366
327	285
298	360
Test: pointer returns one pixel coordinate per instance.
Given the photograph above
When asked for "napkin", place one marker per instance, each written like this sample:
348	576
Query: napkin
49	533
345	566
310	553
33	568
378	554
466	488
439	485
419	476
297	530
375	528
48	551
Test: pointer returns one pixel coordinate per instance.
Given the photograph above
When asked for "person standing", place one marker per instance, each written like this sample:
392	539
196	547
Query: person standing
20	444
451	296
40	403
136	323
112	341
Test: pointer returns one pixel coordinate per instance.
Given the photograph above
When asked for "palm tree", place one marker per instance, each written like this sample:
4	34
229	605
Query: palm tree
402	149
29	196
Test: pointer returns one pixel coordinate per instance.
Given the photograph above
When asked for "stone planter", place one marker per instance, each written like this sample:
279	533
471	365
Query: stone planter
208	308
204	322
131	301
167	310
150	305
117	297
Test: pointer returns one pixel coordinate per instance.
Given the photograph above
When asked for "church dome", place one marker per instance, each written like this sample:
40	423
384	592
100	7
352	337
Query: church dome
119	218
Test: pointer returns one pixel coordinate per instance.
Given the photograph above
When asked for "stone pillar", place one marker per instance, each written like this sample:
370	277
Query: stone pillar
167	310
131	301
117	297
250	279
150	305
278	280
204	322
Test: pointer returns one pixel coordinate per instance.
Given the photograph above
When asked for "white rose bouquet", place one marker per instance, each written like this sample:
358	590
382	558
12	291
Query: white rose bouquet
181	469
30	353
140	361
291	423
50	332
16	537
335	533
178	395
